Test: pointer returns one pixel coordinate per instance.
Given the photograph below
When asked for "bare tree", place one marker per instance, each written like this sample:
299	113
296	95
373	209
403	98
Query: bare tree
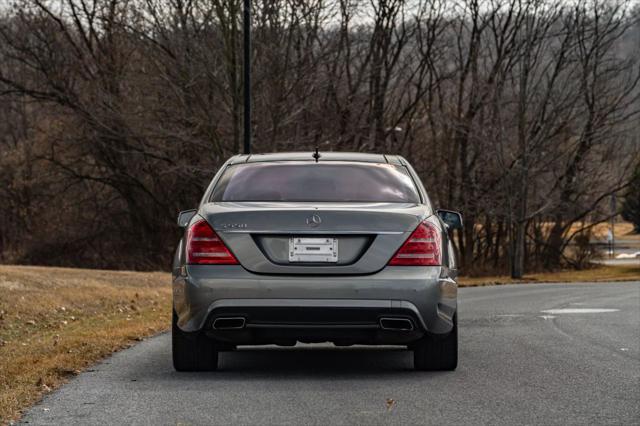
116	113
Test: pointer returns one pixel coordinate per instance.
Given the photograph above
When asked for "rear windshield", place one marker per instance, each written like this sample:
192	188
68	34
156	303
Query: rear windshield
320	182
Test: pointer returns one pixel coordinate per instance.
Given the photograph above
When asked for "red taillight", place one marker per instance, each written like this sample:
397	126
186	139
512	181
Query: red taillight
204	247
422	248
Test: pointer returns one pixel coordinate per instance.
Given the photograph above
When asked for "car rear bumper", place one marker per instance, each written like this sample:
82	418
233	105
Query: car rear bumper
315	308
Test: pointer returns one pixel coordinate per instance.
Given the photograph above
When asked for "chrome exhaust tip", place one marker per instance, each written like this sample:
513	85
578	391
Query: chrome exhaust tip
228	323
396	324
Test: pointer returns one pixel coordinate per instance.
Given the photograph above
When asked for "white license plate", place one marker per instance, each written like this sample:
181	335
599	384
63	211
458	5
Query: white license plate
303	249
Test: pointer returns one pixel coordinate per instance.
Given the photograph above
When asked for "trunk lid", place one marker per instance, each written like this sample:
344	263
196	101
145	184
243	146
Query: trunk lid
263	235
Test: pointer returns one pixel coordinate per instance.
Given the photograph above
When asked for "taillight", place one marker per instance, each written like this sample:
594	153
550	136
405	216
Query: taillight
204	247
422	248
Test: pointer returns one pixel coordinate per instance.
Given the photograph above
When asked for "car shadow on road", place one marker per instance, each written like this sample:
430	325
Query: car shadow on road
320	361
300	364
312	362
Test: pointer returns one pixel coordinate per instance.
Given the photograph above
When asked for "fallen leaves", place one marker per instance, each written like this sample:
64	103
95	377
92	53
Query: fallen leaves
391	403
43	386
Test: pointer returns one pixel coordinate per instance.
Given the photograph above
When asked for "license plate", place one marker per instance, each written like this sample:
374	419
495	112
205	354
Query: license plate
313	249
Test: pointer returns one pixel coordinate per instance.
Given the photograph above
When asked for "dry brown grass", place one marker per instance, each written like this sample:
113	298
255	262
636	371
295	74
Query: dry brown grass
598	274
54	322
623	231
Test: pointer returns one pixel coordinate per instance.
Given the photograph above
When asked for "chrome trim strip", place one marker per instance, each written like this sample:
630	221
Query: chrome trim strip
396	320
226	319
306	231
314	326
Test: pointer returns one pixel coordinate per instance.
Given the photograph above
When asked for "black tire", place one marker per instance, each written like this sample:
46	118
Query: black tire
192	351
437	353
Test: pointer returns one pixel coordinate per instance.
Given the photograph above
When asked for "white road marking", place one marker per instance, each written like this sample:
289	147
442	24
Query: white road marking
579	311
546	317
510	315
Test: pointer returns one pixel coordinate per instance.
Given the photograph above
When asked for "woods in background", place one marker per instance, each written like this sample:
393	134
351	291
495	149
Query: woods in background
115	114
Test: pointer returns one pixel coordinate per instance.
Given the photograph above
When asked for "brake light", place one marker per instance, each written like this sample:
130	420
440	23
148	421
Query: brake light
204	247
422	248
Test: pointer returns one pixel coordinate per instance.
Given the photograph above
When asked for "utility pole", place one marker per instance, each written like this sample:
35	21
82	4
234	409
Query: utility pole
247	75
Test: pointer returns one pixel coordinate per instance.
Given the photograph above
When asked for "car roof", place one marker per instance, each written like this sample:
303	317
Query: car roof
324	156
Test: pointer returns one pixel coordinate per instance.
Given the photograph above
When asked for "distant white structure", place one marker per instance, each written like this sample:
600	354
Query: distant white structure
635	255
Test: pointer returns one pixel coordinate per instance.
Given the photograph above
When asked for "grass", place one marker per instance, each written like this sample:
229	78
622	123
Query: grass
623	231
55	322
597	274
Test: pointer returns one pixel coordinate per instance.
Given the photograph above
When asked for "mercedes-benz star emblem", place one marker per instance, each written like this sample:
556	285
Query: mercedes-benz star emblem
314	220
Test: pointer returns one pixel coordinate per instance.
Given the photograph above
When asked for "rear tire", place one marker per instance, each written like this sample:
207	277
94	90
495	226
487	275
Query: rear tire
192	351
437	353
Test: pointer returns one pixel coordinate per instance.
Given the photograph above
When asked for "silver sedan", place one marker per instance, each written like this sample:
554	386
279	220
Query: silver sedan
302	247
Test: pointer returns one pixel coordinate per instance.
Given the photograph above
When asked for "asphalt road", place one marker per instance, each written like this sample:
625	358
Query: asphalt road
518	365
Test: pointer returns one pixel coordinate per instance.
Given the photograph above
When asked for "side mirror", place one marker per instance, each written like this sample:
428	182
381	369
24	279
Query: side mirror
184	217
452	219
